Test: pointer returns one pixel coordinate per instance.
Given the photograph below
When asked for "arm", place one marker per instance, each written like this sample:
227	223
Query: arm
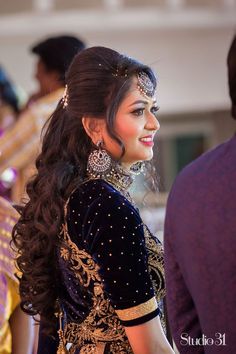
123	261
22	330
36	338
148	338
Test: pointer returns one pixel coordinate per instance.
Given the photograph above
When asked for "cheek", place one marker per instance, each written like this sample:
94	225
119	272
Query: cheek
128	131
40	77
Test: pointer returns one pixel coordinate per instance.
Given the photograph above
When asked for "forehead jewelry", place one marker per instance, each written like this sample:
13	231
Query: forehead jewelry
65	97
145	84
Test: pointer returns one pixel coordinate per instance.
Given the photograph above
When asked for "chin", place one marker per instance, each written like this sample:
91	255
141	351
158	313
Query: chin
138	158
147	157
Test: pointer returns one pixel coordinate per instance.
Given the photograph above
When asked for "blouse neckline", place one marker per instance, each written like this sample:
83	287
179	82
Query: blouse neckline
117	176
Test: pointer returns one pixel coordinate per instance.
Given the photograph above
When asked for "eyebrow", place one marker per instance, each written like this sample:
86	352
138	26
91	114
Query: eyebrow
141	101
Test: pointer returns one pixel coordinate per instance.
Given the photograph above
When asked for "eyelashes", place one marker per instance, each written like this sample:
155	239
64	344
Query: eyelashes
139	111
155	110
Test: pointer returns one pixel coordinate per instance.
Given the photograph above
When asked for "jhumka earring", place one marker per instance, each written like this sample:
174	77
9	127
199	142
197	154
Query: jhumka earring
99	162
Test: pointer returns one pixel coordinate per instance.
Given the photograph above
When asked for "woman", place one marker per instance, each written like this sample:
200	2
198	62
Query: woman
9	110
9	101
12	319
91	269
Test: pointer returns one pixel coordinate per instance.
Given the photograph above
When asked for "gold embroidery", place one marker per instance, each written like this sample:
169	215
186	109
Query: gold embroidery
138	311
84	267
156	270
92	349
61	348
101	328
155	263
102	325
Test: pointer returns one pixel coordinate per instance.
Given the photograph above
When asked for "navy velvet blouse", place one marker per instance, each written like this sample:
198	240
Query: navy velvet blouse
111	268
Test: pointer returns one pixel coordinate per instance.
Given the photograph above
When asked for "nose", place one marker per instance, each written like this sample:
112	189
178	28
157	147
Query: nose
152	123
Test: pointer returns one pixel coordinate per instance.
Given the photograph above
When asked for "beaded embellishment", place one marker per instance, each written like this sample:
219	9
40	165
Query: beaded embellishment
99	162
145	85
65	97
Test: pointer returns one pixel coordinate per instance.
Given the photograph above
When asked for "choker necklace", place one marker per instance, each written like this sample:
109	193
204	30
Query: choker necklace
100	165
117	176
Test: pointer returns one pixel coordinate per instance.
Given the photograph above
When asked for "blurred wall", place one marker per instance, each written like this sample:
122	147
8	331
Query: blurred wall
186	45
189	56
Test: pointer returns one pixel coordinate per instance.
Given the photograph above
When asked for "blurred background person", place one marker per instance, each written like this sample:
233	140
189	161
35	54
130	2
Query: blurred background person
200	247
20	144
54	57
16	329
9	110
9	101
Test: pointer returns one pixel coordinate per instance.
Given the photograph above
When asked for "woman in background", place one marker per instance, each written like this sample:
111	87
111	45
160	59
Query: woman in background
91	268
16	328
9	110
9	102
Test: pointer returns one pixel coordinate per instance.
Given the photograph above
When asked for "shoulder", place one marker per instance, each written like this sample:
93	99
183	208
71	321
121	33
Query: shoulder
95	192
99	198
98	212
206	178
50	98
207	166
42	108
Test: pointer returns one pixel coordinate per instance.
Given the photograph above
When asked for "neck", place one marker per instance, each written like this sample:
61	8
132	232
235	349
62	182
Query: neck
126	166
115	174
54	86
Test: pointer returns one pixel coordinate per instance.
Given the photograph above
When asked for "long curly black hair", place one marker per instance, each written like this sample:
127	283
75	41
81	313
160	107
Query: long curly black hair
97	82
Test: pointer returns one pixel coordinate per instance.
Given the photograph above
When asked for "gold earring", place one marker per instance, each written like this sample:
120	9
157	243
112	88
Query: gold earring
99	162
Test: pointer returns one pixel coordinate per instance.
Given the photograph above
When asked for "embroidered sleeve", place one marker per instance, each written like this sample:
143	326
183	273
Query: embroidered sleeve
114	231
139	314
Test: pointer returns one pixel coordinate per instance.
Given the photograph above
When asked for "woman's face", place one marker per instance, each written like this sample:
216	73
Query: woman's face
135	124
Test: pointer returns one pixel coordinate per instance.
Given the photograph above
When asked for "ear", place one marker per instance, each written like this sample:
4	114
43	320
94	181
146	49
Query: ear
93	128
55	75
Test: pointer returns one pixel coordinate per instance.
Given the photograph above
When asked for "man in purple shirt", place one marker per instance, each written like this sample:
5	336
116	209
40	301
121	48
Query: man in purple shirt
200	247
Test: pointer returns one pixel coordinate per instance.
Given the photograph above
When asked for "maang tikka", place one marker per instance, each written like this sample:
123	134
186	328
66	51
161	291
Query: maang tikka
99	162
145	85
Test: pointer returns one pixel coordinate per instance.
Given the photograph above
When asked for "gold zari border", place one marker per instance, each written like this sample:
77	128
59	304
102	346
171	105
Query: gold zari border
138	311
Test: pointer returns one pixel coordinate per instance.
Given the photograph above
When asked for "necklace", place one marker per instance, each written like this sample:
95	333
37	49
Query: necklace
119	178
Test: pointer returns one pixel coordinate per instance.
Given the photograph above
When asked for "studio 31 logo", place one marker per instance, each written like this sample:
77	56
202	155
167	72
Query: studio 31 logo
218	340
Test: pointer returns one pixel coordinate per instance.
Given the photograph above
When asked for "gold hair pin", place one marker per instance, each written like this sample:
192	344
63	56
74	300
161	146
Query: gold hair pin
65	97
